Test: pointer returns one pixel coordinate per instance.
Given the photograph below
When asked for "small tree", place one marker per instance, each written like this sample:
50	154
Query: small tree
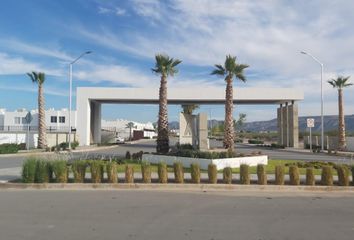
130	125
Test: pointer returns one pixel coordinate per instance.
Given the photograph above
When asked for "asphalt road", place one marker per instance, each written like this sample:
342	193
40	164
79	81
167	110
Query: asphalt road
149	146
172	215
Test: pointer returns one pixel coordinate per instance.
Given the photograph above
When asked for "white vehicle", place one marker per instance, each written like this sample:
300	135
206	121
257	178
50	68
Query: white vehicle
120	140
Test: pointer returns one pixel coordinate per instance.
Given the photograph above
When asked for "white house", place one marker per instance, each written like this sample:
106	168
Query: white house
14	128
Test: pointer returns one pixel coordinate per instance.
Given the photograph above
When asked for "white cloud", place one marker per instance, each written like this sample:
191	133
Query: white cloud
114	10
23	47
120	11
115	74
18	65
148	8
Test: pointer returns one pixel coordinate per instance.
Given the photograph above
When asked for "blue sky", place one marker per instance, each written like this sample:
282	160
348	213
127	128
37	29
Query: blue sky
45	35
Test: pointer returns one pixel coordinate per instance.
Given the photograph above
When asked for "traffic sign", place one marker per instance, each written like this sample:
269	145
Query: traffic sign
28	118
310	122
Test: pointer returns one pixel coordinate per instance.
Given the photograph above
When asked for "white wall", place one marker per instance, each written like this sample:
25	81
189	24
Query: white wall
9	118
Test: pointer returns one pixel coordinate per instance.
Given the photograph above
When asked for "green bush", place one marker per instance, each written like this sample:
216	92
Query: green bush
227	175
29	170
294	175
261	174
9	148
343	175
327	176
60	170
79	170
244	174
279	174
42	172
310	176
212	173
128	155
96	171
255	141
103	168
146	172
162	172
195	173
179	172
111	168
74	144
129	174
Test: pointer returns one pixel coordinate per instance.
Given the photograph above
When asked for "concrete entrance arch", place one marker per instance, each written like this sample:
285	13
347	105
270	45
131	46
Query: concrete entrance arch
89	100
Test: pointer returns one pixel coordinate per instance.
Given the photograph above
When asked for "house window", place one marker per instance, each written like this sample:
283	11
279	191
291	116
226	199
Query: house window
62	119
17	120
53	119
23	120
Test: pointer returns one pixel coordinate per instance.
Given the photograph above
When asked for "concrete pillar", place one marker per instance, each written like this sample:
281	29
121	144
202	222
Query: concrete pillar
288	125
293	126
95	122
83	118
280	125
203	131
187	129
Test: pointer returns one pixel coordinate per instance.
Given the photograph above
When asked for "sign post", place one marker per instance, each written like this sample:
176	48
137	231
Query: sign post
28	119
310	125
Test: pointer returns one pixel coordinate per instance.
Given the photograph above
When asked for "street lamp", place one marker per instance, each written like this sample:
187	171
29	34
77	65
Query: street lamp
70	90
322	124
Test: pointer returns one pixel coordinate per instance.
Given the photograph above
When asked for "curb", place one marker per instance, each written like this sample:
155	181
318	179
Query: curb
174	187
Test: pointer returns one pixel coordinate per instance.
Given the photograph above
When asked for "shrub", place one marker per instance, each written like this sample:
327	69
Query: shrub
96	171
212	173
129	174
310	176
327	176
42	172
227	175
343	175
186	146
79	170
64	145
111	168
146	172
60	170
162	172
9	148
244	174
128	156
294	175
261	174
74	144
279	174
179	172
195	173
255	141
103	168
29	170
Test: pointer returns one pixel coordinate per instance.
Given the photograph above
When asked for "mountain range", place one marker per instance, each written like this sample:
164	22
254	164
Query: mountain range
330	123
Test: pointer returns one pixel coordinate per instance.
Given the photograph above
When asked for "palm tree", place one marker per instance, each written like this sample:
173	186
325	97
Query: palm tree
130	125
340	83
39	78
165	66
230	70
188	109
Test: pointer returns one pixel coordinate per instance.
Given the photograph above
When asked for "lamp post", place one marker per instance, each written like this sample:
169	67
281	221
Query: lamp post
322	124
70	90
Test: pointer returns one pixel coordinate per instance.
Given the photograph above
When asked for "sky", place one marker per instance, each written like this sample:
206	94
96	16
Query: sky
124	36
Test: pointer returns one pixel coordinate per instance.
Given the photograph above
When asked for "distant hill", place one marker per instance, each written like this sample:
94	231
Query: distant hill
330	122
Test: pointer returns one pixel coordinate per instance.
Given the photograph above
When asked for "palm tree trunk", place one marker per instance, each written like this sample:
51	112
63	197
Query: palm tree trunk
228	130
42	141
162	124
341	122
